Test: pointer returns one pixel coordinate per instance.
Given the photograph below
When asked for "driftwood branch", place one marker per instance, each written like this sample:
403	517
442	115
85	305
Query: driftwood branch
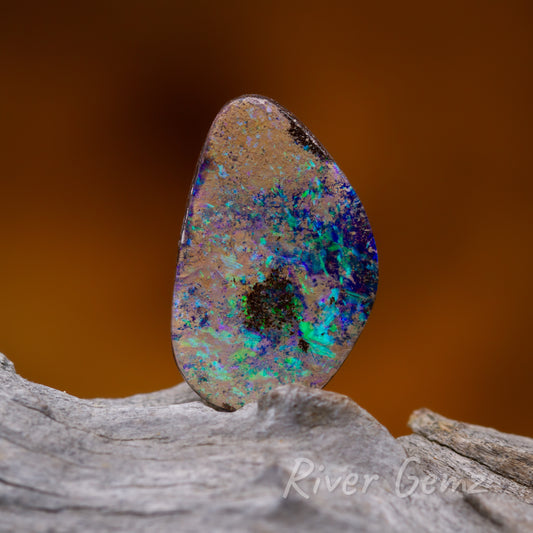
298	460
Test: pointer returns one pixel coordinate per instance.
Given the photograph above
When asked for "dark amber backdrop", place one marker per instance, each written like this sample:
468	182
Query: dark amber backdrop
426	108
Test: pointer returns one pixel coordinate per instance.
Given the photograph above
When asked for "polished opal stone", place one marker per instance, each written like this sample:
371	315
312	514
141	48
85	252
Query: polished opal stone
277	268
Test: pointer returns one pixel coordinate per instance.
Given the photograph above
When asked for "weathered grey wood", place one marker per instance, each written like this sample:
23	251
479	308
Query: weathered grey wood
508	455
166	462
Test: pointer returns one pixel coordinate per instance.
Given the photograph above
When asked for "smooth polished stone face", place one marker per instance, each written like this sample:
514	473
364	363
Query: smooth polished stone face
277	268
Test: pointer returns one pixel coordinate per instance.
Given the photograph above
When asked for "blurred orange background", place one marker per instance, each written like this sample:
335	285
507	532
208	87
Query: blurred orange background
426	107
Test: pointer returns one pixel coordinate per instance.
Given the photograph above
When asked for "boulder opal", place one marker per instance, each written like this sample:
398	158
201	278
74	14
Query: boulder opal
277	268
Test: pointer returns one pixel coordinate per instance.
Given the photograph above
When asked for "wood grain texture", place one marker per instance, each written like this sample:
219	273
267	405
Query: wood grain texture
166	462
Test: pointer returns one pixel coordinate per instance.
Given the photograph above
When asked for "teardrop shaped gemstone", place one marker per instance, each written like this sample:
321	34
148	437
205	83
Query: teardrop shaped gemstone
277	269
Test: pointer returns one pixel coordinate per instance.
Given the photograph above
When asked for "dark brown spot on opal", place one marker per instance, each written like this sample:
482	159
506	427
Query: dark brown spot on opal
271	304
302	138
303	345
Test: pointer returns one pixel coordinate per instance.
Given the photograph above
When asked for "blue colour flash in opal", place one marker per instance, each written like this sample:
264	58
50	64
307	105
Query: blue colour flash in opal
277	269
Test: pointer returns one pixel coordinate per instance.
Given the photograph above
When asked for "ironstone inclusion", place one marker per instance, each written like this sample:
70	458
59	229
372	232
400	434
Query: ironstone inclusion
277	269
